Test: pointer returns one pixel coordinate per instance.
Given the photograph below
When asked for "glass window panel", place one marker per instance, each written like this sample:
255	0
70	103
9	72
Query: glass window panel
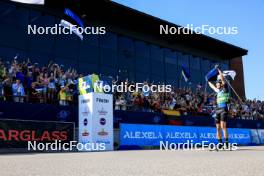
171	69
157	67
156	53
92	40
8	54
195	62
141	77
173	81
142	64
125	44
89	54
108	71
17	17
87	68
183	59
142	49
205	64
108	40
109	57
157	79
66	46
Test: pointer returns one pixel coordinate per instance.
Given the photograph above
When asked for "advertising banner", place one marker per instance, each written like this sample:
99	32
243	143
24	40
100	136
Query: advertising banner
261	136
254	136
95	111
152	135
85	118
102	119
96	119
17	133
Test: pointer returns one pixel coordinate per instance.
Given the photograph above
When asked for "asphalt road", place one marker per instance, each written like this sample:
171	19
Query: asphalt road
247	161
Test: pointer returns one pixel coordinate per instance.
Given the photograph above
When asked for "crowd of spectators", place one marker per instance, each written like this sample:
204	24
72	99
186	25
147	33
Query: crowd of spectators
29	82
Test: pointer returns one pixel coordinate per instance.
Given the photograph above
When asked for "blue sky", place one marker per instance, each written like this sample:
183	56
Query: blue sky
248	16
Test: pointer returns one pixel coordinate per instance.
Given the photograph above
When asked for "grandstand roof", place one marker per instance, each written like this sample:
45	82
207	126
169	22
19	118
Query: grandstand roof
145	23
114	14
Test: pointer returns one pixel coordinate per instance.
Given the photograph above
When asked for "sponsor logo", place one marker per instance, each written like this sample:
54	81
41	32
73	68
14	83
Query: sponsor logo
85	122
156	119
85	133
102	133
63	114
32	135
85	112
102	121
102	112
84	101
100	100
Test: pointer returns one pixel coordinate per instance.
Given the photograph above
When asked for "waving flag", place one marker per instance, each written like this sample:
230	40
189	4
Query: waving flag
228	73
40	2
72	21
212	75
72	27
186	73
69	13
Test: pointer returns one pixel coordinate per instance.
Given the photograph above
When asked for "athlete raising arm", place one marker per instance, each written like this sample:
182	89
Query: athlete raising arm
222	108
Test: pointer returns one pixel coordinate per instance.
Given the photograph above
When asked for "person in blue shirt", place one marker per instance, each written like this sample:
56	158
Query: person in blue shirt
18	91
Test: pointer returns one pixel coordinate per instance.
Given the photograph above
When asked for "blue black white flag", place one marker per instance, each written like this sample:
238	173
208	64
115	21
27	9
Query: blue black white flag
212	75
186	73
73	22
229	73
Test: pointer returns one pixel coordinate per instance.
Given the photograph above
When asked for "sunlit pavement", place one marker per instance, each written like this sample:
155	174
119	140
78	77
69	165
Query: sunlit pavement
247	161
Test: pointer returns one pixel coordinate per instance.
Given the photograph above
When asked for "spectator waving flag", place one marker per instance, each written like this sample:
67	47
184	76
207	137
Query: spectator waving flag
186	73
73	22
40	2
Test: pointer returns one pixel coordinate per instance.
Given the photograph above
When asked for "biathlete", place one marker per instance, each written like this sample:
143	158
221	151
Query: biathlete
221	110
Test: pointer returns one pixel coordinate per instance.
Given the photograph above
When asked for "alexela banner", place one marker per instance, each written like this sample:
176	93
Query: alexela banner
152	135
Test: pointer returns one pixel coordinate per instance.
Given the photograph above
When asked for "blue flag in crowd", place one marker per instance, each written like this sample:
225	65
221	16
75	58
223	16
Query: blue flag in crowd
212	75
72	21
186	73
74	17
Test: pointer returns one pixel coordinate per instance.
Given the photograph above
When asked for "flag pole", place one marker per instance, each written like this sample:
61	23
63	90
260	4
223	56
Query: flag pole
205	87
233	89
180	80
